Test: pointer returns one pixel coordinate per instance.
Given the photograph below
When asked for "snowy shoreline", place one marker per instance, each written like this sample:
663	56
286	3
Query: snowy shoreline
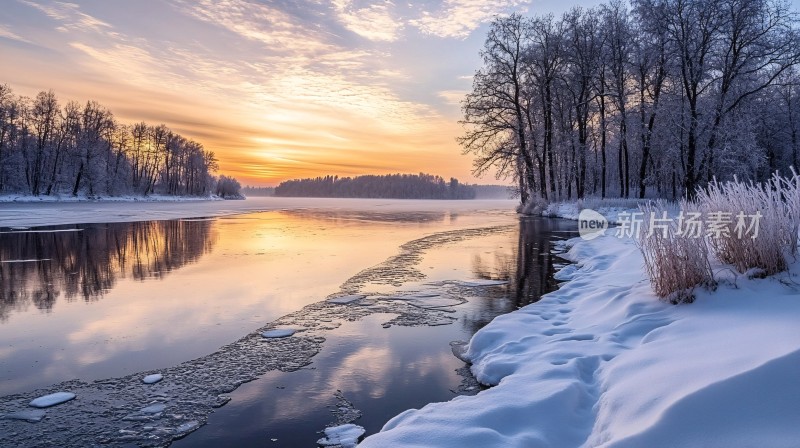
31	214
603	362
11	198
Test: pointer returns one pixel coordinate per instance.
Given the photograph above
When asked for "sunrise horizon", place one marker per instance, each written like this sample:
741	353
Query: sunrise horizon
276	91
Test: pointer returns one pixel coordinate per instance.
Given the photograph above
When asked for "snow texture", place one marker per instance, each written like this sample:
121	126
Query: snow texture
152	379
345	436
52	399
603	362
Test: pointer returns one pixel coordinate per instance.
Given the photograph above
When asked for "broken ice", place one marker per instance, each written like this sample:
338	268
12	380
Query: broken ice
52	399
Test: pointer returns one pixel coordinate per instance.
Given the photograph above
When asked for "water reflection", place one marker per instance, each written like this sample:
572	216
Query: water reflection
386	371
529	267
39	267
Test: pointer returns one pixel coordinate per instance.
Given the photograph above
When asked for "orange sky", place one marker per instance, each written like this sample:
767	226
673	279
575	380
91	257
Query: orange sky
278	90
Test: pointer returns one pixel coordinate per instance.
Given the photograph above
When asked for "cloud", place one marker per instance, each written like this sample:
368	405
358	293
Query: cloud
459	18
277	89
373	21
452	97
265	24
70	17
5	32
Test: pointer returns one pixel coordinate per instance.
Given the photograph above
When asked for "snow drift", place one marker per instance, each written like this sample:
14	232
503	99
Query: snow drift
603	362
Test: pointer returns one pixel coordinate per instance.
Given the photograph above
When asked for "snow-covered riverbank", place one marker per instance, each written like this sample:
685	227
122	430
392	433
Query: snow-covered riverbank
603	362
29	214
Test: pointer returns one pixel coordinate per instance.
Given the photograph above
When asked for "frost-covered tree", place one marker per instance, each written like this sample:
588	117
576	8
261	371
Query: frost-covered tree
81	149
655	97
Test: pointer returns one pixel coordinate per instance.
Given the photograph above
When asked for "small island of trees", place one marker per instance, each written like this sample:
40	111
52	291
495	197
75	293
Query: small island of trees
390	186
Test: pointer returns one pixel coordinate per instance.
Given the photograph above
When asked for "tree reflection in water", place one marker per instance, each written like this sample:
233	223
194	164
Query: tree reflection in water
46	264
529	268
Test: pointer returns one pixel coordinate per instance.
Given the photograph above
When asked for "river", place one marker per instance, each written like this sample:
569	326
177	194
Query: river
91	308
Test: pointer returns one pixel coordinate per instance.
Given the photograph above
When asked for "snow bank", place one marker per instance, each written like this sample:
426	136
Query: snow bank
571	210
44	199
602	362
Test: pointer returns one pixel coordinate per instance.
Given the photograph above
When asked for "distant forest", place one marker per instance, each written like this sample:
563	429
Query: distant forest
640	98
47	149
258	191
395	186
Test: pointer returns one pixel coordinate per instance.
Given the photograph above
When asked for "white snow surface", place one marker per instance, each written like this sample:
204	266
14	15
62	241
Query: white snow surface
152	379
345	436
571	210
29	214
603	363
52	399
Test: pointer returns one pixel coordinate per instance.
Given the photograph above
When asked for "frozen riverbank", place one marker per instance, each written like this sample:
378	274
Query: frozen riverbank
602	362
29	214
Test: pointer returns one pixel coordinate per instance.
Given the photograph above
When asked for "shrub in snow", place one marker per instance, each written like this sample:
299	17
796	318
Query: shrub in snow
775	205
536	206
675	261
753	227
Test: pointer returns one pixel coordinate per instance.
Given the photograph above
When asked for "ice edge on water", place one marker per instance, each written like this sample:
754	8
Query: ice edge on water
127	410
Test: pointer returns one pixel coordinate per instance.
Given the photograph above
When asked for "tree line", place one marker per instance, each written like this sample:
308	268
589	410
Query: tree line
657	97
395	186
74	149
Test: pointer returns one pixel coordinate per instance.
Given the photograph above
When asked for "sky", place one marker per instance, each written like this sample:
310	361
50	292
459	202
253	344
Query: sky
277	89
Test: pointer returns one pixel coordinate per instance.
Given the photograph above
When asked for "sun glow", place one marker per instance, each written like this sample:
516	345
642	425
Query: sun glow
277	92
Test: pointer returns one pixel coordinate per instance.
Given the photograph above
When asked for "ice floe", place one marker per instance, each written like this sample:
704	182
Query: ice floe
28	415
153	408
479	283
344	300
52	399
278	333
345	436
152	379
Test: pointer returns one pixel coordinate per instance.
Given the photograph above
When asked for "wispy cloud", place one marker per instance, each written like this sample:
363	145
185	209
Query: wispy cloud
373	21
69	16
452	97
5	32
458	18
266	24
